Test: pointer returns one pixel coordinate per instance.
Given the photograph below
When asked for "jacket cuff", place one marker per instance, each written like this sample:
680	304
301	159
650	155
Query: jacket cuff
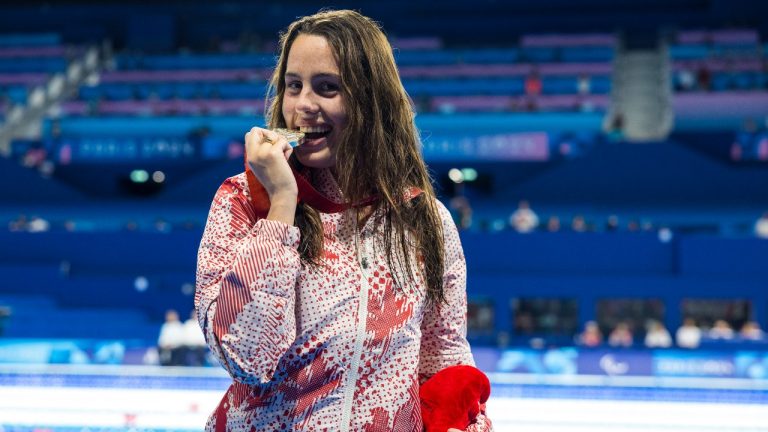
287	235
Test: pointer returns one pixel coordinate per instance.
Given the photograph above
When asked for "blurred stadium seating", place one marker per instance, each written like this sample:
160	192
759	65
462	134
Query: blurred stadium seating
118	121
123	165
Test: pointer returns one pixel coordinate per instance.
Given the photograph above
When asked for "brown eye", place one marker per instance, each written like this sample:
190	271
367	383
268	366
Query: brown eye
328	87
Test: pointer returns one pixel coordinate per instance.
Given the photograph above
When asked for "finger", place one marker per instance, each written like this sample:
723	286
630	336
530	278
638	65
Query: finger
272	136
253	132
287	152
252	138
279	141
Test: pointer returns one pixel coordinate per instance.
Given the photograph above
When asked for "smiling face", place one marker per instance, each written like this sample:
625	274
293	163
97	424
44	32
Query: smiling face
313	102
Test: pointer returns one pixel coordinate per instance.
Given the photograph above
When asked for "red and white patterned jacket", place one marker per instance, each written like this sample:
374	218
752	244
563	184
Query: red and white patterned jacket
335	348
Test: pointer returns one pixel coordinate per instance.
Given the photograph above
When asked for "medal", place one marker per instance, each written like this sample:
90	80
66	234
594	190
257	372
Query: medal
294	137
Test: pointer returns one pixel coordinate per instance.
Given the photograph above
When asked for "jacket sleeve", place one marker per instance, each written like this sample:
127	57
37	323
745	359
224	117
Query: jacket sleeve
481	424
245	294
444	326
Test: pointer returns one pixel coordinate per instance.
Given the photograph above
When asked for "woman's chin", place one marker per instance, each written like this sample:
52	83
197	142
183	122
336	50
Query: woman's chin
322	158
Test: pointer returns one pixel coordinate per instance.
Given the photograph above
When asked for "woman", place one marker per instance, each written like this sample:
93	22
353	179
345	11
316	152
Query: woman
330	319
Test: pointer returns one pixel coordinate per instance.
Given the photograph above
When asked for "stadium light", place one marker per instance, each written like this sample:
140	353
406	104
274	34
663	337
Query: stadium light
456	175
158	176
139	176
470	174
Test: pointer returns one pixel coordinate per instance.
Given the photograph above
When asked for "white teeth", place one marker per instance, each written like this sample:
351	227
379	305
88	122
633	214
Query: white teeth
314	129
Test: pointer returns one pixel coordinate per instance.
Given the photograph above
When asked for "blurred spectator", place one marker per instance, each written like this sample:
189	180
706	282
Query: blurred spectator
704	78
657	336
524	220
35	156
762	147
21	223
171	340
584	84
591	336
736	151
524	323
461	211
533	84
751	331
761	226
685	80
621	336
578	224
612	224
194	341
5	312
38	224
480	316
665	235
615	132
189	225
633	226
688	335
553	224
162	226
721	330
70	225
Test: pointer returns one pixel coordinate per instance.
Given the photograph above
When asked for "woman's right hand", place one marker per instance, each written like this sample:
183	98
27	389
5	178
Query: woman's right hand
267	153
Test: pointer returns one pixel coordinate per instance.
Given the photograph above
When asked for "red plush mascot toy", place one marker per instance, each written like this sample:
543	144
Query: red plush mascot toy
453	398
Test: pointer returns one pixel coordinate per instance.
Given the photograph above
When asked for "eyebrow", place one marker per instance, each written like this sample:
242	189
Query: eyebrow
320	75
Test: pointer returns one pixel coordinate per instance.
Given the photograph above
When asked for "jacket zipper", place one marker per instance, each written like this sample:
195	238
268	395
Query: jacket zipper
362	318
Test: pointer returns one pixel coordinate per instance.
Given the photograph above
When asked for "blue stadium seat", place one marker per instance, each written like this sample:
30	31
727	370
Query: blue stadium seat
411	58
210	61
481	86
688	52
586	54
16	65
17	94
539	54
600	84
559	85
30	39
490	56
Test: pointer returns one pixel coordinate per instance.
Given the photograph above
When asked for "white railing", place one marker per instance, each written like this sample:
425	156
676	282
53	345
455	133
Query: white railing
25	121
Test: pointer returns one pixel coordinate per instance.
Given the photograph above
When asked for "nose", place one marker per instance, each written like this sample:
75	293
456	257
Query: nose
306	102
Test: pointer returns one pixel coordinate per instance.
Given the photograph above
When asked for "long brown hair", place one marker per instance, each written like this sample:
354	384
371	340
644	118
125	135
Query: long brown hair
379	150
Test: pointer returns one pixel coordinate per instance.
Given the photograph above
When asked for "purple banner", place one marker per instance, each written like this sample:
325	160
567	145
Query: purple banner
530	146
560	40
561	361
694	364
615	363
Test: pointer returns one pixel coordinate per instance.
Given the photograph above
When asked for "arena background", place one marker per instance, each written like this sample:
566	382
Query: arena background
636	131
